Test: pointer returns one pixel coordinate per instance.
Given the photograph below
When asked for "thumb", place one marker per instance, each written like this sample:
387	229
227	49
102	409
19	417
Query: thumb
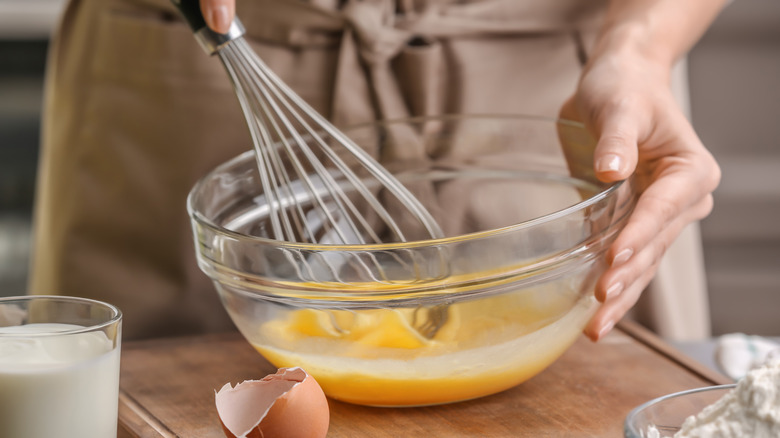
616	154
218	14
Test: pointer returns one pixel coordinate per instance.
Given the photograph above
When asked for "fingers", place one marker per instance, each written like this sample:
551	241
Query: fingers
621	285
680	194
613	310
681	191
624	271
218	14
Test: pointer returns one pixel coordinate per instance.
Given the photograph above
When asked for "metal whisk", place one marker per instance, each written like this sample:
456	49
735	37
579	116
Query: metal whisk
319	186
303	157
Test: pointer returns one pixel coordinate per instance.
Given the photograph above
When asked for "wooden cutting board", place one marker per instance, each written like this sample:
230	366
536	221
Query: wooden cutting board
167	390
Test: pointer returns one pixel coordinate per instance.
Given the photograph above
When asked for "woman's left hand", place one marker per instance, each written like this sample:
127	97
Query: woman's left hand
626	103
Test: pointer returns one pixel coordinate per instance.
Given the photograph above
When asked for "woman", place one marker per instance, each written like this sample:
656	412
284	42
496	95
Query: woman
136	113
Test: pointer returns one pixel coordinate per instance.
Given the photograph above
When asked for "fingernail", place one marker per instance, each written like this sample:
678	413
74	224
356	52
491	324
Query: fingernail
606	329
614	290
622	257
219	18
608	163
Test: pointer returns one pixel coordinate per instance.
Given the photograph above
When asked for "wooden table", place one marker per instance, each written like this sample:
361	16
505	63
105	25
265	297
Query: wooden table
167	390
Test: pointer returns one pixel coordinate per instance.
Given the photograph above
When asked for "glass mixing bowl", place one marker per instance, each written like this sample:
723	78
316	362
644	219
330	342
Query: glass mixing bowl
489	306
662	417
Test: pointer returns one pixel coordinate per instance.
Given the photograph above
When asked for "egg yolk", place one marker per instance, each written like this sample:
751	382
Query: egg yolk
378	356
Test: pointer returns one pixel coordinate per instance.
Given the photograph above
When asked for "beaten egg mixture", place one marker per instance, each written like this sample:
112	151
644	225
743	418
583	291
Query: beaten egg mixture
377	356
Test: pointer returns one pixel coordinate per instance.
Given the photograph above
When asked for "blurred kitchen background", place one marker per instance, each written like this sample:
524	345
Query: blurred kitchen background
735	92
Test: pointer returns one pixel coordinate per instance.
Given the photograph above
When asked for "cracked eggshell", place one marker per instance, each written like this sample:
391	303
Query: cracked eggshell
288	404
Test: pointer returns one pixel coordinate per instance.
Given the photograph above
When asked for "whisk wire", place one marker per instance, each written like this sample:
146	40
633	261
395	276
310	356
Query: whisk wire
270	162
339	196
291	100
258	134
274	115
274	164
269	153
269	159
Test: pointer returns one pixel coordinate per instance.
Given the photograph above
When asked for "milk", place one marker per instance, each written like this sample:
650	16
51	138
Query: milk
64	386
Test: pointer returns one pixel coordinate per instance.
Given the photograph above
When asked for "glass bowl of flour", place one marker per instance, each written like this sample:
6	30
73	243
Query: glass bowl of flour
749	408
664	416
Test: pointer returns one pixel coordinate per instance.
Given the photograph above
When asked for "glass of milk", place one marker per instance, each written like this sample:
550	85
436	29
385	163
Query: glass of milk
59	367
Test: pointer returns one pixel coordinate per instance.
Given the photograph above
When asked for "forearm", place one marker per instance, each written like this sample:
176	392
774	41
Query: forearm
661	31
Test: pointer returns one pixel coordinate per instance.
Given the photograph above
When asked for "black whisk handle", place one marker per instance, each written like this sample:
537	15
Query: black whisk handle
190	9
210	40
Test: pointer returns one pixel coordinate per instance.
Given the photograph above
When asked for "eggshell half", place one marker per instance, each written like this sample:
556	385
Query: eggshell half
288	404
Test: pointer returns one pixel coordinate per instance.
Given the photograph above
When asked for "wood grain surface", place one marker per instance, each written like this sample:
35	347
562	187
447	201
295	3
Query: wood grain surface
167	390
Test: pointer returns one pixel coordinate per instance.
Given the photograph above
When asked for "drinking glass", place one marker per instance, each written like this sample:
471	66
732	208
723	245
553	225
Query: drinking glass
59	367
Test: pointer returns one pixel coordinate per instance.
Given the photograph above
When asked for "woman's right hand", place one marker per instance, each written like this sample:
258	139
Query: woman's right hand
625	100
218	14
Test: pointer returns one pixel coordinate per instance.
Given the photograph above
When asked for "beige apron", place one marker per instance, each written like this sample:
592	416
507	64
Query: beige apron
136	113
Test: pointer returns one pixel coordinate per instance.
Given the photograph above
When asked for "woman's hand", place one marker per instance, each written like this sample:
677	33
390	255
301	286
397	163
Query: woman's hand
218	14
625	101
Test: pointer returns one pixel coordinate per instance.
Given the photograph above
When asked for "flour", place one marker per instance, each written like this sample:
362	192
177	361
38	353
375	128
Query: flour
752	409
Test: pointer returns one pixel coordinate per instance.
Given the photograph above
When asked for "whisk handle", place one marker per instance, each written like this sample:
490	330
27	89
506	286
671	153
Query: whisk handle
210	40
190	9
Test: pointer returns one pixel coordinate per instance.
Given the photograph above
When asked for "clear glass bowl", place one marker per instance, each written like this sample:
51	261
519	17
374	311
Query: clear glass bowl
666	414
510	286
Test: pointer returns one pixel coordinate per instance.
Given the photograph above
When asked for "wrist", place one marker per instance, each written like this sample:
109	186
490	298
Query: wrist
633	41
